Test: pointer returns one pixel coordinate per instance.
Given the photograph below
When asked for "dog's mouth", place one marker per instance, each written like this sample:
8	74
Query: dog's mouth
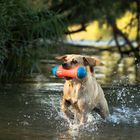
68	65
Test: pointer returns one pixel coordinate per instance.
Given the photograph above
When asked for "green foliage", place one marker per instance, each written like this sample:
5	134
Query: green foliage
21	27
89	10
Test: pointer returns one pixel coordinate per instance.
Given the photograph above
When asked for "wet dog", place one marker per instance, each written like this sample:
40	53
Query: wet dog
82	96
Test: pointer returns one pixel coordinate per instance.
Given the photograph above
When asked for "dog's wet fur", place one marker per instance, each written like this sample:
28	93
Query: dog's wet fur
82	96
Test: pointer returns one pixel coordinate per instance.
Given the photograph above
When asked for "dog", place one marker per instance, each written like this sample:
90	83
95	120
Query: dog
82	96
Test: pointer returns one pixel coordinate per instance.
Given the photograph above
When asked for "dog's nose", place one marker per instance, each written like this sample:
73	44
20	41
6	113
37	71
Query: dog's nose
66	65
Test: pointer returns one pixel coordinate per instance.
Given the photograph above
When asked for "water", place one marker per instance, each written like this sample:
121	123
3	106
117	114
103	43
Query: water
31	110
96	43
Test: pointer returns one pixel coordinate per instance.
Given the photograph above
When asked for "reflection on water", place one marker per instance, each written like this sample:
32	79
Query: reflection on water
31	110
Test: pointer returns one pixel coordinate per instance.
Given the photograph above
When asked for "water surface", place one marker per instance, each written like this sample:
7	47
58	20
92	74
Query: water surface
31	110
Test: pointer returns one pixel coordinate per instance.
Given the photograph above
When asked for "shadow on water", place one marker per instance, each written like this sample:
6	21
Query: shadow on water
31	110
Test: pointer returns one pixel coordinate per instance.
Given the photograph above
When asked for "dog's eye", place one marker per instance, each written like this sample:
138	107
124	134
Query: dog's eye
74	62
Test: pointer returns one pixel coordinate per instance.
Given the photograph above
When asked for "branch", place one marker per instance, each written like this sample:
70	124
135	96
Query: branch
130	24
82	28
116	38
128	42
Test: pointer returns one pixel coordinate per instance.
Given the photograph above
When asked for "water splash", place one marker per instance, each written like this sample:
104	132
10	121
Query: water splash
126	109
77	130
73	125
125	115
123	103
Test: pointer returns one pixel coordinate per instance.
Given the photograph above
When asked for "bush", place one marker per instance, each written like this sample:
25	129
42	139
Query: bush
21	27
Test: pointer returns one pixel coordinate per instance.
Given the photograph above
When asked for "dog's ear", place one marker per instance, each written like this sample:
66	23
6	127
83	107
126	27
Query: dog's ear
92	61
63	57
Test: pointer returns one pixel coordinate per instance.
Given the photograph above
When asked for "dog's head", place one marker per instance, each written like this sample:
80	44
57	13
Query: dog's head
82	60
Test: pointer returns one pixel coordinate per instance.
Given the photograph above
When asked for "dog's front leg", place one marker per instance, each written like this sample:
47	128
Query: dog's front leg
83	118
82	110
65	104
102	108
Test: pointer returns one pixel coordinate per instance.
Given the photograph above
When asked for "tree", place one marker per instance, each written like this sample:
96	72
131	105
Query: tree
21	26
105	11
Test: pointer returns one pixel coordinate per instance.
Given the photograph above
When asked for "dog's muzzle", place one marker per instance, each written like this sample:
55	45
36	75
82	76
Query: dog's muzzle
66	65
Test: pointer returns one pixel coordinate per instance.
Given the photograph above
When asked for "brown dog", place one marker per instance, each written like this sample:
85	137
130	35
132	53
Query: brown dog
82	96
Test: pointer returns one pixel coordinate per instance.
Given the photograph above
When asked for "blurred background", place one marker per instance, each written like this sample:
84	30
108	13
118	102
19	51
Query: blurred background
34	32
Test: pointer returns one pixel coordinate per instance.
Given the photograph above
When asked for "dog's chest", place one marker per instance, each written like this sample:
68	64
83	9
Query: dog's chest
81	92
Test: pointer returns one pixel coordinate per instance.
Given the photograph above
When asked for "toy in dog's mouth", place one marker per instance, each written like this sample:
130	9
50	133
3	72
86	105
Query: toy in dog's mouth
69	71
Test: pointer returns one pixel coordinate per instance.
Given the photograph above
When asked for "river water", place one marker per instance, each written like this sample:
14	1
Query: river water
31	110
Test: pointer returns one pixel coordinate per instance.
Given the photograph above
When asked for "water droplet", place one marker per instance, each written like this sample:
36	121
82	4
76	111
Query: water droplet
26	103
